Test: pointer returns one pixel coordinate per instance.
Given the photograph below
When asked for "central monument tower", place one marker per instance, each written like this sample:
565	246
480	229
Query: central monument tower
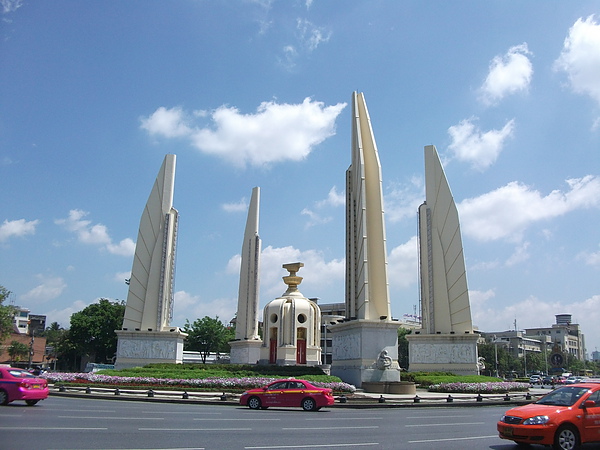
368	335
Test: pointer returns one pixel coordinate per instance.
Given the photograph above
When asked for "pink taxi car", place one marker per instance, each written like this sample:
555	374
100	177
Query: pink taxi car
18	384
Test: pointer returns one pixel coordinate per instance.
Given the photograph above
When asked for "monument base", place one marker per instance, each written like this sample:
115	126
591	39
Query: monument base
443	353
288	355
365	351
245	352
138	348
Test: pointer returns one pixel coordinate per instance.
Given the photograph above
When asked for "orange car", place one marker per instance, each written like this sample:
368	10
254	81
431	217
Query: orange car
565	418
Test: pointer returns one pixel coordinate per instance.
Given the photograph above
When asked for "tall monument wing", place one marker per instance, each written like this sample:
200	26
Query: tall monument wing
150	297
247	312
444	294
367	290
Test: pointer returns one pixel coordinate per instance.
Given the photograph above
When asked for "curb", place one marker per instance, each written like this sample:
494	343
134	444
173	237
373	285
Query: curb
363	402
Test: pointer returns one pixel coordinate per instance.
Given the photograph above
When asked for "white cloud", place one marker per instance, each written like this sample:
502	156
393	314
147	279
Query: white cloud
469	144
48	289
333	199
18	228
275	133
120	277
94	234
580	57
63	316
590	258
169	123
508	211
521	254
508	74
310	35
192	307
402	201
126	247
403	270
240	206
9	6
317	272
314	218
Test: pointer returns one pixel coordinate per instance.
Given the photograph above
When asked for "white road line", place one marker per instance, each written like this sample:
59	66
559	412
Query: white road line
186	448
454	439
354	444
444	424
328	428
194	429
233	420
111	418
345	418
53	428
182	412
89	410
435	417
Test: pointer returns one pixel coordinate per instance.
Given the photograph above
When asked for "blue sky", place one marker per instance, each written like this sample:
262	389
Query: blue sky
256	93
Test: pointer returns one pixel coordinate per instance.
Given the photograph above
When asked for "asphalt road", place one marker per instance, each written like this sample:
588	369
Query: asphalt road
74	423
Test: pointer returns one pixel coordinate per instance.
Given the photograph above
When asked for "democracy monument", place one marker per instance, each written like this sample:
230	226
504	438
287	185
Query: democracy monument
146	335
365	342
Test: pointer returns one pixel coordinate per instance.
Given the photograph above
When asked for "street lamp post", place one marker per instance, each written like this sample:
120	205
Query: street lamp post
496	354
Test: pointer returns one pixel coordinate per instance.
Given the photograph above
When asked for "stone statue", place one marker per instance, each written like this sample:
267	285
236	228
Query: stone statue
383	360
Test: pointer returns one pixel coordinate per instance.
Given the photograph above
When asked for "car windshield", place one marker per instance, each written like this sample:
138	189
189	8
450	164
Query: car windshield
565	396
17	373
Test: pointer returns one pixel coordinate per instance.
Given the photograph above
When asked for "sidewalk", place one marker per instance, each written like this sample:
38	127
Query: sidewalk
357	400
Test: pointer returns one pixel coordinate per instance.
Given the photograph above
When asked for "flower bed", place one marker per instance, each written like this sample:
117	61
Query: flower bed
215	384
480	388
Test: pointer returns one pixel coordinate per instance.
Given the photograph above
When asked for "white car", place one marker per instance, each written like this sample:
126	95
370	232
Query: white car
535	379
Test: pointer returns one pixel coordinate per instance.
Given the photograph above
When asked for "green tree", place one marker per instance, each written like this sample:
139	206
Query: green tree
92	330
207	335
18	351
403	347
7	313
56	336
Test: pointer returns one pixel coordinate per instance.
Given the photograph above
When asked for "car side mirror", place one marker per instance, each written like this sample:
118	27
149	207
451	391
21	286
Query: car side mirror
588	404
264	388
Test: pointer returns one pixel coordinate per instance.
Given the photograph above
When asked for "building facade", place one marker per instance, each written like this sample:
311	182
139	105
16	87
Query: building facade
567	335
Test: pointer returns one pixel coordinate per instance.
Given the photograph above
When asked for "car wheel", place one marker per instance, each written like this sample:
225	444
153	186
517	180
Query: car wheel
254	403
31	402
566	438
308	404
3	397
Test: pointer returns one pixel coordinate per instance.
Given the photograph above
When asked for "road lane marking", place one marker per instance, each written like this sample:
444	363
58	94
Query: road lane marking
328	428
111	418
453	439
344	418
89	410
435	417
233	420
444	424
354	444
194	429
53	428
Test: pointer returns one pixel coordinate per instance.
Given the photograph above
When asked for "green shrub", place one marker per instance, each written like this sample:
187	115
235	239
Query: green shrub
426	379
203	371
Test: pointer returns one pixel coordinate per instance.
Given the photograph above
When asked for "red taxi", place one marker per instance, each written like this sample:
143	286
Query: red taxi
565	418
18	384
291	393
